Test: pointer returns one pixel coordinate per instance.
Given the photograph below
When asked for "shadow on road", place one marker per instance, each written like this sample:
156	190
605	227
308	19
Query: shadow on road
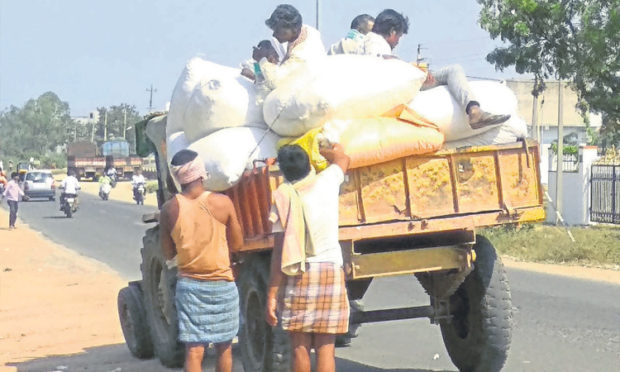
117	358
352	366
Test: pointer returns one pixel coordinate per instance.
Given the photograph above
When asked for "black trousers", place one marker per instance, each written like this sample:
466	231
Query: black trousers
12	212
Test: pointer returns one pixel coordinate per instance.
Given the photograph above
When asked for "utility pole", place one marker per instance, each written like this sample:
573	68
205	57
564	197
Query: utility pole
105	126
125	123
419	57
535	117
318	12
151	91
559	172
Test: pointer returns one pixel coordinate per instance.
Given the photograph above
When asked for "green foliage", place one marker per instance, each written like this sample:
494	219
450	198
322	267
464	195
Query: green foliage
151	186
568	149
37	129
54	161
573	40
120	124
546	243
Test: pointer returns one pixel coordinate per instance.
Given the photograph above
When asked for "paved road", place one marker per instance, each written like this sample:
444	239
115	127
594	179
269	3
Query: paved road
561	324
108	231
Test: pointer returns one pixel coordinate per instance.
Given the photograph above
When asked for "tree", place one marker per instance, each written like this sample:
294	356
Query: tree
37	129
120	123
574	40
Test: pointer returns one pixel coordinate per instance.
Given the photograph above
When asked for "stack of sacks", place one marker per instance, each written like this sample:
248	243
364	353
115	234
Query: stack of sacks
372	140
215	112
339	87
438	106
227	153
208	97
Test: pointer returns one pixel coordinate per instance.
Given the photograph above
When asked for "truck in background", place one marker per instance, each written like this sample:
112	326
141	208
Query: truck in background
90	161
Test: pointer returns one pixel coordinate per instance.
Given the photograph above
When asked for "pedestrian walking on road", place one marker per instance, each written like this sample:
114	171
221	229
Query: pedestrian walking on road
12	192
201	229
307	286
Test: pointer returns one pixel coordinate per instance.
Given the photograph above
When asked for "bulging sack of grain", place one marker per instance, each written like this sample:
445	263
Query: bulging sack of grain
208	97
228	152
507	132
373	141
438	106
339	87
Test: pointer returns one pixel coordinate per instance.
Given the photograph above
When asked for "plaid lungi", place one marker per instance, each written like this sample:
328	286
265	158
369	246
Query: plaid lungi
315	301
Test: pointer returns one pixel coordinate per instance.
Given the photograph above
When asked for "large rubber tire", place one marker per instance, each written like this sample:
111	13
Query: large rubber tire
263	348
133	322
478	336
158	286
68	212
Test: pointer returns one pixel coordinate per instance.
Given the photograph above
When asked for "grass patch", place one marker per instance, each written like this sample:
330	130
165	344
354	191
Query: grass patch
151	186
595	245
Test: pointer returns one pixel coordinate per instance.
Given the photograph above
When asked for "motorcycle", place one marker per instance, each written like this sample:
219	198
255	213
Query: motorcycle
69	205
139	190
104	191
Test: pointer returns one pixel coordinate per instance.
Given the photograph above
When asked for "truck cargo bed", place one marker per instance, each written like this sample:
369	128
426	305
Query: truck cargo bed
448	190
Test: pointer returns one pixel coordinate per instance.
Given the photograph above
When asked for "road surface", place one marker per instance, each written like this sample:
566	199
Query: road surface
561	324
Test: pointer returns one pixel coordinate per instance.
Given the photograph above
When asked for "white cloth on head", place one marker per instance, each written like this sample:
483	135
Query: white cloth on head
374	45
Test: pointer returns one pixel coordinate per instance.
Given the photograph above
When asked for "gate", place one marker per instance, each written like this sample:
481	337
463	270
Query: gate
605	193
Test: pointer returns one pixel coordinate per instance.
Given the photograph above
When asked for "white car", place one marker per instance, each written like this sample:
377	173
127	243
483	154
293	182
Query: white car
40	184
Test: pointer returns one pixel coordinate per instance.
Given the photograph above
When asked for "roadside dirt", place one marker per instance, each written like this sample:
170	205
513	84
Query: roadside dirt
58	308
55	302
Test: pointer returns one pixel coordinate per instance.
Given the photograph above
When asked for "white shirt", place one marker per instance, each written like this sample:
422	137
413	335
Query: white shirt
374	45
137	178
71	185
312	47
320	203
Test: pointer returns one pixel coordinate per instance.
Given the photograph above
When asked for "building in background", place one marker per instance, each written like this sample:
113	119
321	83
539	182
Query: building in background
574	125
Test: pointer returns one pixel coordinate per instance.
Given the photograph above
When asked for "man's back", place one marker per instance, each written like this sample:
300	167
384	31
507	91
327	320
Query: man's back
70	185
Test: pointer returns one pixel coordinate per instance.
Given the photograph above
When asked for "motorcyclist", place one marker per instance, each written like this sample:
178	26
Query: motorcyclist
70	187
136	180
111	172
103	181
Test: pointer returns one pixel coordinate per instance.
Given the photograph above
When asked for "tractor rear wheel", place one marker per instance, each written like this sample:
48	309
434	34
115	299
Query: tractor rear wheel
478	336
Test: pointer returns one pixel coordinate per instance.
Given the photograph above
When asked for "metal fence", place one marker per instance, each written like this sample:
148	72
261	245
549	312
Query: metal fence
570	163
605	193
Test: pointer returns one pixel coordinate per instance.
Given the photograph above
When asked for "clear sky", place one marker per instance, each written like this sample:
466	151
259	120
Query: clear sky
106	52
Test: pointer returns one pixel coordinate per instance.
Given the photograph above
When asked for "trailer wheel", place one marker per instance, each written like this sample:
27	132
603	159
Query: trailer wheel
478	336
133	322
158	284
263	348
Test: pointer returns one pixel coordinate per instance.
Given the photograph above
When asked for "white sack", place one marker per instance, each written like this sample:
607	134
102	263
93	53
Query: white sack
208	97
226	153
438	106
176	142
339	87
507	132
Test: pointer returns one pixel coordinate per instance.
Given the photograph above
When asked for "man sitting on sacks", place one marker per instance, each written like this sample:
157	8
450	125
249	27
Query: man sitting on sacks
389	27
264	48
360	27
304	43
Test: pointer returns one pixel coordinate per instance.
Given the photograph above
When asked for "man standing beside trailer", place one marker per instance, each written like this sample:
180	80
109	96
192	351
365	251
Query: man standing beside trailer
201	229
307	284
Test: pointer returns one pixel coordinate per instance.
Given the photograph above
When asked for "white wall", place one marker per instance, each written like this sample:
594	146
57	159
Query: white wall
575	190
